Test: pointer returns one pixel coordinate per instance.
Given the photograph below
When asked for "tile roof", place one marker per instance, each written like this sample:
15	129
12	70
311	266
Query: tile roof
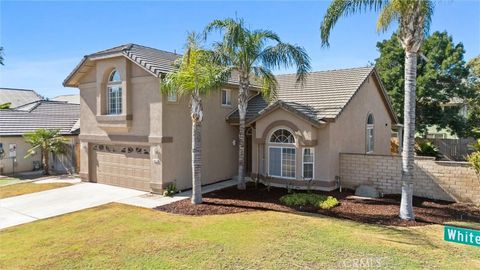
154	61
40	114
323	96
18	97
255	105
73	98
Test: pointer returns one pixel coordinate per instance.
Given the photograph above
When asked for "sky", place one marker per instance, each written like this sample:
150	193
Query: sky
44	41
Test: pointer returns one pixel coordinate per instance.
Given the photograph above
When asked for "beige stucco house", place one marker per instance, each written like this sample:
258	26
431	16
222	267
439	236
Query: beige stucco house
134	136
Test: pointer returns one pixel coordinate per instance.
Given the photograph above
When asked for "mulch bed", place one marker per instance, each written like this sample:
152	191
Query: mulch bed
382	211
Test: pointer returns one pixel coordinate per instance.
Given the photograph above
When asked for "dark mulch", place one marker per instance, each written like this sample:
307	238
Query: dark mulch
382	211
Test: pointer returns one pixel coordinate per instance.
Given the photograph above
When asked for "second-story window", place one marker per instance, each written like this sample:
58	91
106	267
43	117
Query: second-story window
370	133
226	97
114	93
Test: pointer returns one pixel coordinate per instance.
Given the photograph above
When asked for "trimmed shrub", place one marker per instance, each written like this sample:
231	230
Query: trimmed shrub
426	148
304	199
330	202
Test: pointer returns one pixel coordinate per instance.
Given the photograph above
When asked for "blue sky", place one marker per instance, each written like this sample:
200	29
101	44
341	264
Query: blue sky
44	41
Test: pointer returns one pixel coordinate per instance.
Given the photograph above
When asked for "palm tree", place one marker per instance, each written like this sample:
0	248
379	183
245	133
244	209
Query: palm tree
1	56
195	75
45	140
413	17
252	54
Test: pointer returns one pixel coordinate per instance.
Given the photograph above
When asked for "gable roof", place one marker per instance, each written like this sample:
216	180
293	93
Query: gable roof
154	61
323	97
18	97
40	114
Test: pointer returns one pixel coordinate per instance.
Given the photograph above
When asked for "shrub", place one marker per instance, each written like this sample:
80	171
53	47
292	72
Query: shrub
170	190
426	148
330	202
304	199
474	160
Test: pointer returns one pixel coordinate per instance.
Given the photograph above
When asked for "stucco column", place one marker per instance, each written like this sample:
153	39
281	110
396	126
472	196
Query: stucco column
84	161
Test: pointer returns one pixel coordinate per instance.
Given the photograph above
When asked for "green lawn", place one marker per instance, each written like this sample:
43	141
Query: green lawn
123	237
25	188
8	181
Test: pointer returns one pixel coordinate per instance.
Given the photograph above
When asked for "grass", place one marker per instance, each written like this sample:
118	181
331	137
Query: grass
25	188
116	236
8	181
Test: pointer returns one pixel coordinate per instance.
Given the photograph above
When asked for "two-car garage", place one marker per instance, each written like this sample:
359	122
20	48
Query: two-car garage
125	166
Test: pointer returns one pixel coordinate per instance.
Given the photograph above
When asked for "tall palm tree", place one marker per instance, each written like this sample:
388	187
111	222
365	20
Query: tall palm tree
413	17
252	54
196	75
45	140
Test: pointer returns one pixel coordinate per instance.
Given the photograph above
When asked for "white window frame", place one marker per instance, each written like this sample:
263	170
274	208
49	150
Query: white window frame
228	97
370	145
281	161
172	97
311	162
110	85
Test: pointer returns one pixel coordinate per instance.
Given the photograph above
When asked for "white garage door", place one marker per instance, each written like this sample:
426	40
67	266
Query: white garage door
125	166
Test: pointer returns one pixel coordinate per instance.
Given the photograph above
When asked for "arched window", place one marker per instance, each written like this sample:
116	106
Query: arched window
114	93
370	134
282	136
282	154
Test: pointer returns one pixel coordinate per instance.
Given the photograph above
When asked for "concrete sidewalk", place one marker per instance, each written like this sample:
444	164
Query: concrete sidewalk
153	200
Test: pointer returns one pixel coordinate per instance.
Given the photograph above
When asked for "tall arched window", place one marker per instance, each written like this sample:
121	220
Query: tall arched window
114	93
370	134
281	154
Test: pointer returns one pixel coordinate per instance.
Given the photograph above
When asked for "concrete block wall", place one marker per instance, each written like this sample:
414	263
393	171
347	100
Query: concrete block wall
450	181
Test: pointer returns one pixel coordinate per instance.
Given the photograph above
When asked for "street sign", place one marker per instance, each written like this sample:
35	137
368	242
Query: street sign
462	235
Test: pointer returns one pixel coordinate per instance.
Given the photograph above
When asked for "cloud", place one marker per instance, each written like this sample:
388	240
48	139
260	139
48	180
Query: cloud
44	76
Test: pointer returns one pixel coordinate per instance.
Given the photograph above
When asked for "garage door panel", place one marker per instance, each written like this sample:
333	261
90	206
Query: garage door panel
123	166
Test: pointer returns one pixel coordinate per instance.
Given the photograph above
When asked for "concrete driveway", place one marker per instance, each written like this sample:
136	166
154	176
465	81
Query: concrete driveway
30	207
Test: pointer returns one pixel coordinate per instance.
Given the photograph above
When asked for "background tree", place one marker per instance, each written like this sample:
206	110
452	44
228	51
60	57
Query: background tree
473	114
46	141
413	18
5	106
195	76
441	77
252	54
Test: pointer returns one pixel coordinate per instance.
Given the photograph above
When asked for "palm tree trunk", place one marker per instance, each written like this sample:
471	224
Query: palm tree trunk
197	115
45	162
242	110
408	162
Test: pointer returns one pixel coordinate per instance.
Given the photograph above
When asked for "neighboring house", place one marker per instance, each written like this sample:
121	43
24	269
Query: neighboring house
134	136
18	97
434	132
73	98
14	123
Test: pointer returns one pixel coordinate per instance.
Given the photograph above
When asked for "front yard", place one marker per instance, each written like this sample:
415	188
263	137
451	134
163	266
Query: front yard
117	236
25	188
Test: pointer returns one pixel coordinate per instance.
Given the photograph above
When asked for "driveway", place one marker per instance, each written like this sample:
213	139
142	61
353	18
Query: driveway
30	207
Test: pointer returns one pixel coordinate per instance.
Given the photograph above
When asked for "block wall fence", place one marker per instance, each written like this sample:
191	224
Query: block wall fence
440	180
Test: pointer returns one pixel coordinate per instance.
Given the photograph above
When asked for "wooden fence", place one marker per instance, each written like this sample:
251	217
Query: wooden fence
454	149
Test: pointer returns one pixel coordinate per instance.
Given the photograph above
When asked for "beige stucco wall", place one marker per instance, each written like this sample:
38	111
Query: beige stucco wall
22	164
348	132
219	156
345	134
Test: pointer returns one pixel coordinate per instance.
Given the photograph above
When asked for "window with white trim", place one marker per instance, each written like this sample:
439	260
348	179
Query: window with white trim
308	161
226	97
114	93
282	154
370	134
172	97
